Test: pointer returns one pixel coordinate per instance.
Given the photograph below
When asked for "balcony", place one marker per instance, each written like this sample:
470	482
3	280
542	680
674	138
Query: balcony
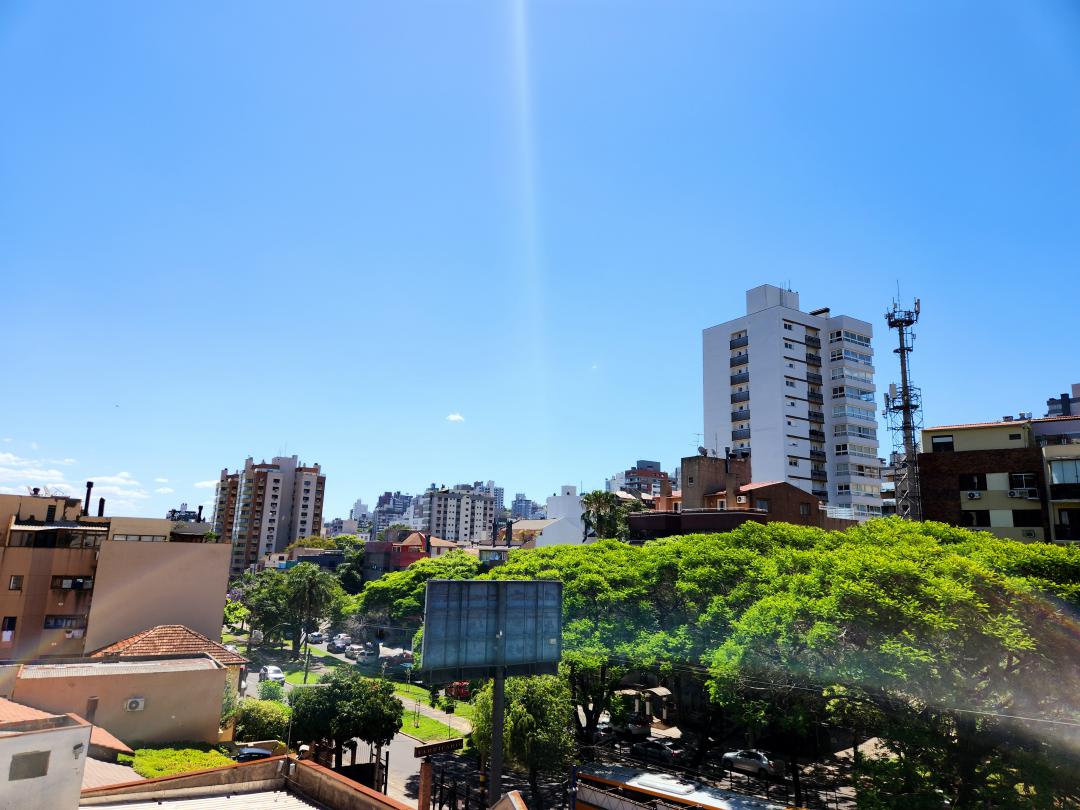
740	396
1065	492
821	493
811	377
1063	531
741	377
813	359
739	342
741	433
817	434
818	454
813	342
738	416
815	397
819	475
740	360
816	416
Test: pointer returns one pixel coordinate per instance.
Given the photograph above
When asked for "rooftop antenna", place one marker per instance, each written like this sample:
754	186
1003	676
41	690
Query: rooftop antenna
903	411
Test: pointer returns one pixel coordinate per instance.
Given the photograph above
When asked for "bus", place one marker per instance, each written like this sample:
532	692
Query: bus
620	787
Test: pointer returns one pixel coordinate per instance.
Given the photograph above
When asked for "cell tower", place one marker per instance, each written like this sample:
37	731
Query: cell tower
903	411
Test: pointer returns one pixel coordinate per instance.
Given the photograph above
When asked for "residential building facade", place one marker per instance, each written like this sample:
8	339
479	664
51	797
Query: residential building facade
644	478
42	757
796	391
266	506
1018	478
71	582
389	509
461	514
1066	404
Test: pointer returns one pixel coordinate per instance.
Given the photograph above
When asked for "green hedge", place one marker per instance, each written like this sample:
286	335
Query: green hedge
154	762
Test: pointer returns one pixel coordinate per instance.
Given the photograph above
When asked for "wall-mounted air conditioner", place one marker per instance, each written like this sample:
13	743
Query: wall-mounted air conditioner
135	704
974	495
741	498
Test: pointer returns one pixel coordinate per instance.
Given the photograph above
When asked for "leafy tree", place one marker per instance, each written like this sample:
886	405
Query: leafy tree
399	595
536	729
312	541
271	690
351	571
344	706
312	595
605	515
235	612
229	705
259	720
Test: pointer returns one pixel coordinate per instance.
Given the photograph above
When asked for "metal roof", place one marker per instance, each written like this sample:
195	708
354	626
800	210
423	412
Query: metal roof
91	668
261	800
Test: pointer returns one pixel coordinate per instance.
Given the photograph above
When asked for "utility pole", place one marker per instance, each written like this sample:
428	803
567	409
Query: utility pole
903	410
498	704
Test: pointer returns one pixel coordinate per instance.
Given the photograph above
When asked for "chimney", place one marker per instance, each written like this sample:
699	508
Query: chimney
36	491
86	503
199	518
101	507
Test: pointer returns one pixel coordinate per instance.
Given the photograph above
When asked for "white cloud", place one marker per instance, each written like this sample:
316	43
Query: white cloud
121	492
161	480
34	445
455	417
164	490
124	479
205	484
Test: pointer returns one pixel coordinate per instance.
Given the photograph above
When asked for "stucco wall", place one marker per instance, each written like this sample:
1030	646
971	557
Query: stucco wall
142	585
59	788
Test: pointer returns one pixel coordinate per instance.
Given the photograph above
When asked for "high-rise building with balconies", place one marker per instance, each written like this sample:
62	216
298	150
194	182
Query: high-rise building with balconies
795	391
264	507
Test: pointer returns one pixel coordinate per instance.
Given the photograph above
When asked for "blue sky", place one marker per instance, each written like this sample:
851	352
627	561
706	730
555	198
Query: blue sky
247	228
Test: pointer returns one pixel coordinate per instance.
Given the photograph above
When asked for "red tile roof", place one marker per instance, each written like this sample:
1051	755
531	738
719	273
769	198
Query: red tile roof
100	737
167	639
11	712
758	485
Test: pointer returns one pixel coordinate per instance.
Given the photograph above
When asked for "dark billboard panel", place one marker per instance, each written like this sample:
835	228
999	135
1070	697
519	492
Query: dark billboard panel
471	627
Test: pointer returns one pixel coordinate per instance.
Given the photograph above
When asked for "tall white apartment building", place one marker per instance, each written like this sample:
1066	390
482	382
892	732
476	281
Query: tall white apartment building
796	391
459	514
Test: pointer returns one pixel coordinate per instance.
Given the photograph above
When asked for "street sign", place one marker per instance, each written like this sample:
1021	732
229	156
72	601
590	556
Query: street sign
439	747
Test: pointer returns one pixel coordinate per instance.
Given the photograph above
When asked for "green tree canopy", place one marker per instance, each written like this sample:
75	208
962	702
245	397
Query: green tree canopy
399	595
259	720
344	706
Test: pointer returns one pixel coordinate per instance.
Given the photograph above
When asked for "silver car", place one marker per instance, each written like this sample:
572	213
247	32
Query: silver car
752	761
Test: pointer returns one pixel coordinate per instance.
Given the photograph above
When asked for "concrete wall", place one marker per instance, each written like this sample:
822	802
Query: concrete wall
990	437
142	585
180	706
59	788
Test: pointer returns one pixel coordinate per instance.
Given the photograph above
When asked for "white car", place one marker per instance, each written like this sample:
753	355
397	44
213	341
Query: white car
272	673
752	761
354	650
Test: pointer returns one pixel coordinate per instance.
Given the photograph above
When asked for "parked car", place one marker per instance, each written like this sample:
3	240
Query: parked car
271	673
752	761
354	650
252	754
458	690
636	726
666	752
604	733
344	638
371	646
366	656
336	646
316	637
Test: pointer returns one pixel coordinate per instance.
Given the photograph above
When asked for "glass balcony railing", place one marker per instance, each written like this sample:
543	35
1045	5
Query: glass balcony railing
739	342
741	377
740	360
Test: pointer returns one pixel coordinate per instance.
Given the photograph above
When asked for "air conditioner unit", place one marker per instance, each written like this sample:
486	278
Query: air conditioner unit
974	495
135	704
1028	533
1015	493
741	499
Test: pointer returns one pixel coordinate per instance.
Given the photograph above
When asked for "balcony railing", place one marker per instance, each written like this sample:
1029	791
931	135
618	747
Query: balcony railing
817	434
819	454
821	493
741	377
814	397
1065	492
813	341
819	475
740	415
813	359
739	342
1066	532
740	396
740	359
742	433
816	416
811	377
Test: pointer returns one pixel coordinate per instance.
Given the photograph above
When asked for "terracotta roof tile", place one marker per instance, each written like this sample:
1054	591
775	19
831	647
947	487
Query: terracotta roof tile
168	639
100	737
12	712
758	485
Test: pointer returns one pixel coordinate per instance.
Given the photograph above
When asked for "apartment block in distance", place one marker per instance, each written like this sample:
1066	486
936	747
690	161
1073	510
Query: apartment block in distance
264	507
461	514
1018	478
795	390
71	582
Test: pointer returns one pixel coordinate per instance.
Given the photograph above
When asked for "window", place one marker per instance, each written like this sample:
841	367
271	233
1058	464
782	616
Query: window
31	765
7	629
55	622
854	412
762	504
1027	517
793	462
789	383
1014	437
941	444
788	326
975	517
1022	481
72	583
788	345
50	514
15	583
970	481
1065	472
804	509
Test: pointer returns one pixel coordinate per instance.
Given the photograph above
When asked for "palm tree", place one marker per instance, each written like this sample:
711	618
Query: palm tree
309	593
600	515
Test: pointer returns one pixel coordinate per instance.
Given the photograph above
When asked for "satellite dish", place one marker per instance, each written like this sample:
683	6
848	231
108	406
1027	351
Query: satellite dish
702	451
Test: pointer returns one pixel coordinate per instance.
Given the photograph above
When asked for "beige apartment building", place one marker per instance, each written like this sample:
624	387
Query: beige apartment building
70	582
266	506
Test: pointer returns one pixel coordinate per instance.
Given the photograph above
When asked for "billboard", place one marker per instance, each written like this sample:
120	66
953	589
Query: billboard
472	627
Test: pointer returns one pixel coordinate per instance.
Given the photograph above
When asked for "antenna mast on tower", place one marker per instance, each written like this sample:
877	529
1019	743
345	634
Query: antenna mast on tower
903	411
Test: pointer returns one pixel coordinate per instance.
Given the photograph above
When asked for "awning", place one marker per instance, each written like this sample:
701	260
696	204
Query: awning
659	691
627	692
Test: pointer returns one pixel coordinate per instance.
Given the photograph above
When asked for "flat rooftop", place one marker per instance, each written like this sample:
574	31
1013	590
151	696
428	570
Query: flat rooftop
261	800
94	668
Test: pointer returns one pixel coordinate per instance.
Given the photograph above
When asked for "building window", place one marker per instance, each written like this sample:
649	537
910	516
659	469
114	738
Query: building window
7	630
65	622
789	383
1022	481
804	509
788	326
792	462
788	345
31	765
1027	517
15	583
975	518
762	504
970	481
941	444
1065	472
72	583
1015	437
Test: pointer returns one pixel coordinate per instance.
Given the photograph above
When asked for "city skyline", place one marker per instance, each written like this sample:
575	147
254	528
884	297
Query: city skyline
544	227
